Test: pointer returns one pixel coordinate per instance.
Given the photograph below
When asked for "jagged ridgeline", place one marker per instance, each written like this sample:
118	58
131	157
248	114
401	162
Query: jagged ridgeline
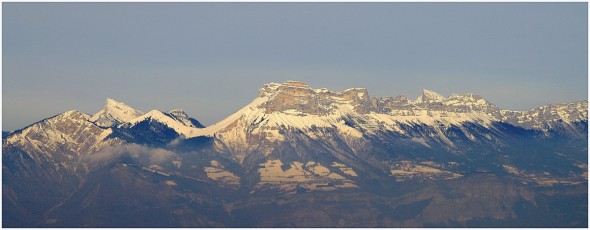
303	157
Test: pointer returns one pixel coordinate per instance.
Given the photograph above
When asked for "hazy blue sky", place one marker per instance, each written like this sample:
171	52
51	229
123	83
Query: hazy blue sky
211	58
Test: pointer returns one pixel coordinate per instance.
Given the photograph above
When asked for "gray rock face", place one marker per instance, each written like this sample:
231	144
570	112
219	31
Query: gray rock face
297	96
300	97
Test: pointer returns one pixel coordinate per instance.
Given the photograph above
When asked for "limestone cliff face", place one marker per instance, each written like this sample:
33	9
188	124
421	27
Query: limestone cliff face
298	96
294	95
359	98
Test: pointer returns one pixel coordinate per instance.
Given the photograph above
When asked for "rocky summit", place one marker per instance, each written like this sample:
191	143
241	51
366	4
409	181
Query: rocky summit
303	157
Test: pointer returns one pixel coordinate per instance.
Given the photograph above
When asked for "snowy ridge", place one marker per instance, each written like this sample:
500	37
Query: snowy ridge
256	113
350	115
258	117
545	117
341	107
247	110
468	99
293	105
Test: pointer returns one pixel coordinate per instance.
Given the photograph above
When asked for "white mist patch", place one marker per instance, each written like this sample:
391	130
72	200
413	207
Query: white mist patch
143	153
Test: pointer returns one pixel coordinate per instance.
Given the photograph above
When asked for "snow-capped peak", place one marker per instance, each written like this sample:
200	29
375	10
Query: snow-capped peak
156	115
114	113
114	105
429	95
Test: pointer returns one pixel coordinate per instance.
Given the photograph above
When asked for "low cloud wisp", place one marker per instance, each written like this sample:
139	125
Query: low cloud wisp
140	152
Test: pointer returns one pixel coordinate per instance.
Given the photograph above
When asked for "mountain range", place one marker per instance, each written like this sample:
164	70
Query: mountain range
302	157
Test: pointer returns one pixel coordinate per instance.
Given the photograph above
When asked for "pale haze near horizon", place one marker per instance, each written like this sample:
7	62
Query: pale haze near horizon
210	59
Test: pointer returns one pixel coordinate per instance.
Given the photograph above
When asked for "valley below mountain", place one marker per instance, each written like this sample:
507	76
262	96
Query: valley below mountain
303	157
